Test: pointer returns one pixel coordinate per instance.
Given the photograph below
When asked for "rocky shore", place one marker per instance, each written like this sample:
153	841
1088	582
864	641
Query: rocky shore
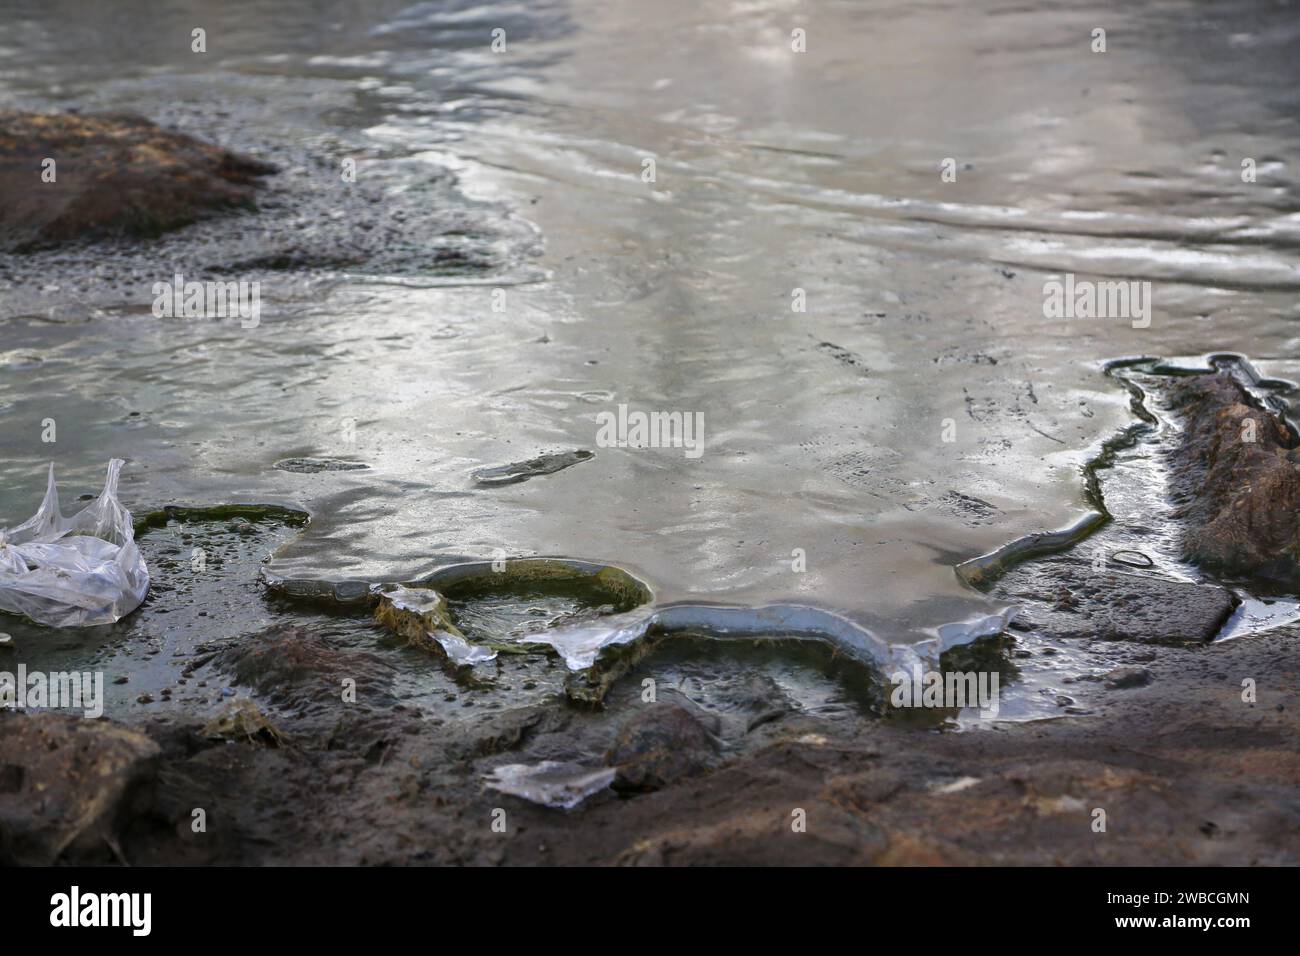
1184	769
67	177
1236	480
1161	742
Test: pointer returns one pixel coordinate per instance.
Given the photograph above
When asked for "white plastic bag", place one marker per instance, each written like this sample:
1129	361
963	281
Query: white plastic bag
73	572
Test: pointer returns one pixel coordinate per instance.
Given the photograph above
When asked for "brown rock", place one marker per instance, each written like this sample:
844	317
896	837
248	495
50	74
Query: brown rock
64	778
1240	499
115	175
661	744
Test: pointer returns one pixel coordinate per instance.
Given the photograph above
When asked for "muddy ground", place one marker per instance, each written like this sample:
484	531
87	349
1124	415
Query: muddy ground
1136	733
1138	727
1185	771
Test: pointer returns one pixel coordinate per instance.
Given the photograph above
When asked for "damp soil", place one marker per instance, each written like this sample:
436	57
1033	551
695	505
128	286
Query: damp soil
715	771
309	733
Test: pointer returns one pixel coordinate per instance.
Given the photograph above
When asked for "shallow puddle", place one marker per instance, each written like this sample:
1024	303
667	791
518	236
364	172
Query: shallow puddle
883	396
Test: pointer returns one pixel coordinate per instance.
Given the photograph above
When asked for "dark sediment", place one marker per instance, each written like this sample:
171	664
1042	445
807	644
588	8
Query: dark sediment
115	175
1165	761
1235	476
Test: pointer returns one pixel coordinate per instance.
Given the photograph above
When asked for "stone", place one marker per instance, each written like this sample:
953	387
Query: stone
64	779
1119	606
660	745
113	175
1122	678
1235	477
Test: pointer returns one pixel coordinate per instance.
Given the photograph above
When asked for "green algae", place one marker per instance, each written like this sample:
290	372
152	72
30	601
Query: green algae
293	517
595	584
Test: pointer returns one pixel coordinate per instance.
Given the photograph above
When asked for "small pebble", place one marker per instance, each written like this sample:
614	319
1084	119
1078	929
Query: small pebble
1124	677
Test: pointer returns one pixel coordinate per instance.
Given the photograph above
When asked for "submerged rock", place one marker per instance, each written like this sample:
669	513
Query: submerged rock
62	778
1122	678
1236	480
662	744
299	671
523	470
112	175
312	466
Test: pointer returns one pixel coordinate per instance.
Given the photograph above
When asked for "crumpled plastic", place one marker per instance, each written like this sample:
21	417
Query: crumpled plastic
73	572
551	783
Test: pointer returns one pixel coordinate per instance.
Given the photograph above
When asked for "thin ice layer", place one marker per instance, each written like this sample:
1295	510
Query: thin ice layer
551	783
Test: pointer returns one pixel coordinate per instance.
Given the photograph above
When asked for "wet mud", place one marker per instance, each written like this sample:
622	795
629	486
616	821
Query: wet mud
342	737
1184	770
389	722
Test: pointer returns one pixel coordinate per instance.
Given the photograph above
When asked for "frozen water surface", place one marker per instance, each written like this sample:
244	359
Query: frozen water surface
539	280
